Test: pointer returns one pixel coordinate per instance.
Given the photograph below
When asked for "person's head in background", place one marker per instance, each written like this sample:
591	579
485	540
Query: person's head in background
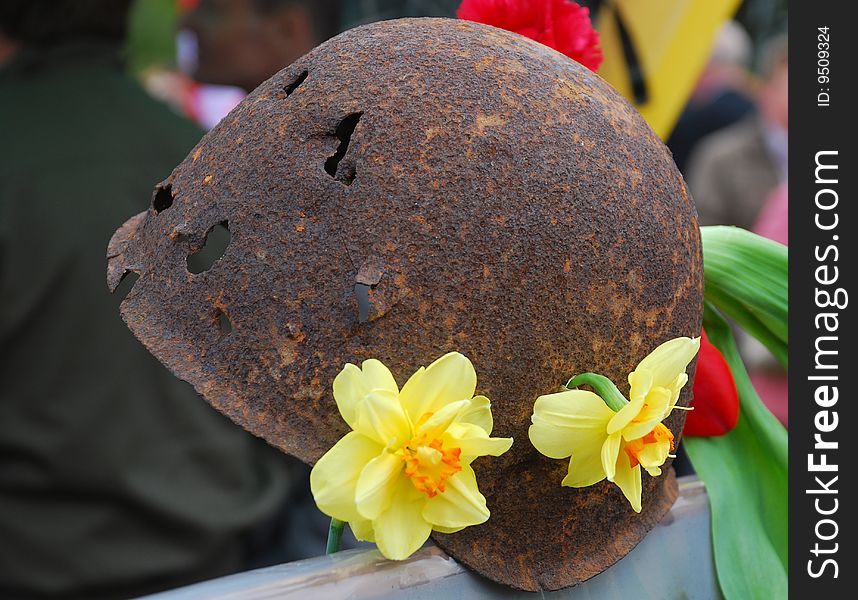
732	48
45	23
244	42
773	92
728	64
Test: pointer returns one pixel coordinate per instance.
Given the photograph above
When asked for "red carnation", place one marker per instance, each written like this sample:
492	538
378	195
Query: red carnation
559	24
716	402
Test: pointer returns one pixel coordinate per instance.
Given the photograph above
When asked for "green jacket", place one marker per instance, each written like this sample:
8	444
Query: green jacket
115	477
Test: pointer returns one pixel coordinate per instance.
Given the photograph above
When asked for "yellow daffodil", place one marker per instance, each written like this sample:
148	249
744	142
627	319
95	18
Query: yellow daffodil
609	437
404	469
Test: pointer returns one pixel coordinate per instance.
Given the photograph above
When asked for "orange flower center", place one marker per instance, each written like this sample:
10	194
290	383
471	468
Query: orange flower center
658	435
428	465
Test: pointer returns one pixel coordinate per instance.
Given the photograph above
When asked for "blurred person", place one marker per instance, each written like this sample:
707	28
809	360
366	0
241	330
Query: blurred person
773	221
721	96
733	172
202	103
116	479
244	42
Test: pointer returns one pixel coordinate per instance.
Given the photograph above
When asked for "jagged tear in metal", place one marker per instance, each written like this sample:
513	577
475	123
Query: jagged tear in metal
484	194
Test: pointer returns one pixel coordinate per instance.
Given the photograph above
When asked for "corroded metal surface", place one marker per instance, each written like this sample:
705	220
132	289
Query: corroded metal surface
406	189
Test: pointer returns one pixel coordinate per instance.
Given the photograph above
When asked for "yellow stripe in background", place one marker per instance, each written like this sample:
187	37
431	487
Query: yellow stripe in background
672	39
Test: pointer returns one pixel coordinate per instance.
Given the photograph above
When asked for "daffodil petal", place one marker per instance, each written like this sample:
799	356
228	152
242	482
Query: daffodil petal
610	451
640	382
401	529
362	529
670	359
585	469
474	441
377	485
378	377
586	465
413	383
479	413
380	416
438	422
461	505
446	529
334	478
349	391
628	479
653	455
449	379
676	388
657	407
352	385
568	422
625	415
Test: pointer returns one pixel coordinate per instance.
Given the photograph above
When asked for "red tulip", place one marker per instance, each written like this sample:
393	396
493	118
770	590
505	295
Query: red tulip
716	401
559	24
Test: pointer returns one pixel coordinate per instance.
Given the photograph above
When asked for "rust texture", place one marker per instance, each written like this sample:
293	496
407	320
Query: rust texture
482	193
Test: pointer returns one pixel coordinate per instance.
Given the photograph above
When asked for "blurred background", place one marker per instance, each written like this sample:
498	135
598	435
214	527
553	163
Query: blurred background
115	478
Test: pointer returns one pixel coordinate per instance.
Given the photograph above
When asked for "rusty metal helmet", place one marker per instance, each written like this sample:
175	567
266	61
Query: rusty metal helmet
410	188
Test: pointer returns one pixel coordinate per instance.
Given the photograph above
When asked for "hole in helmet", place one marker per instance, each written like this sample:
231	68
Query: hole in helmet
217	240
163	198
362	294
129	278
344	132
296	82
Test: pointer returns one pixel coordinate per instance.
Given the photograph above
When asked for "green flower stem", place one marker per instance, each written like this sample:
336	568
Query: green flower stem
335	536
603	386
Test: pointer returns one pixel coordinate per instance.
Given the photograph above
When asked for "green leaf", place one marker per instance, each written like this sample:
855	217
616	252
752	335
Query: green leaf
746	279
749	322
745	472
